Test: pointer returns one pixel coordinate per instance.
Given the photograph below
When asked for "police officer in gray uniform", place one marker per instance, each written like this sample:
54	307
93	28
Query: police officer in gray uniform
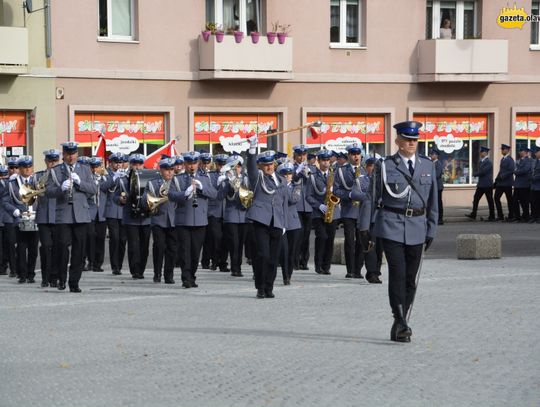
484	185
3	184
97	229
46	220
343	183
504	182
535	186
71	185
522	185
404	203
439	170
324	232
268	214
10	238
194	191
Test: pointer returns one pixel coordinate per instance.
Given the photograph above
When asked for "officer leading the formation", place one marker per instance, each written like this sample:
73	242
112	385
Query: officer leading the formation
405	214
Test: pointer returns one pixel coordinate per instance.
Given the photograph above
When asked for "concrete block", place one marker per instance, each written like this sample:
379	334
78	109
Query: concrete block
477	246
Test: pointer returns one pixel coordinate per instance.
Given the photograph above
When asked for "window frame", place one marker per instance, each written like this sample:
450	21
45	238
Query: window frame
460	19
118	38
242	15
343	44
535	47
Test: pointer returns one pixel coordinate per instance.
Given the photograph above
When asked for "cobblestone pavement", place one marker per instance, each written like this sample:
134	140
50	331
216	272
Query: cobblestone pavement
323	341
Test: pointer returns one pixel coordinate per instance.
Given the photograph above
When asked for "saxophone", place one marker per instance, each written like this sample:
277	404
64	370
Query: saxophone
330	200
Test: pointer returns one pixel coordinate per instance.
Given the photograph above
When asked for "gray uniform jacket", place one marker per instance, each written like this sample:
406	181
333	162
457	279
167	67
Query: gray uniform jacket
343	184
97	202
46	207
523	173
77	211
398	227
165	215
112	209
197	216
11	199
294	193
485	174
127	218
217	204
535	182
362	192
301	180
505	178
269	200
439	173
316	194
4	218
234	211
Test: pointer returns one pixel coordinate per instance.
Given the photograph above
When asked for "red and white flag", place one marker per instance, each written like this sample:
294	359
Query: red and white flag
152	161
101	150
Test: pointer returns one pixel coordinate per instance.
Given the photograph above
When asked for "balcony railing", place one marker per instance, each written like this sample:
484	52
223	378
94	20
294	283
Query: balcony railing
13	50
462	60
245	60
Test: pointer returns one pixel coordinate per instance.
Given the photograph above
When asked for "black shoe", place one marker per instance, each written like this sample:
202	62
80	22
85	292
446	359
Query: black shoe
204	266
61	285
471	216
326	272
213	267
400	331
440	222
186	284
286	282
491	219
348	275
224	270
12	274
194	284
21	280
86	267
304	267
30	281
75	289
269	294
374	279
3	273
44	284
97	269
157	279
53	284
169	281
117	273
260	294
357	276
319	272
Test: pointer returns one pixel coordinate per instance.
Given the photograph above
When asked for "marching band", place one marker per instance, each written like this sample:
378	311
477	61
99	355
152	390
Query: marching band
214	211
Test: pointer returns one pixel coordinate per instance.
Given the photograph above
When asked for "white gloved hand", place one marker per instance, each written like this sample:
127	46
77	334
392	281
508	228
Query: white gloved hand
189	191
323	208
12	176
198	183
221	178
66	185
75	177
253	141
116	175
284	230
16	213
300	168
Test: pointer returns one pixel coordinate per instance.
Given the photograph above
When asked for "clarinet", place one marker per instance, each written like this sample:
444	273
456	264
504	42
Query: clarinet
195	202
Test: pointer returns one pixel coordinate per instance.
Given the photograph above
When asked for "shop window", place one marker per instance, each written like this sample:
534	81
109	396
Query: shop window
13	134
126	133
535	31
345	22
451	19
337	131
235	15
527	130
458	139
219	133
117	19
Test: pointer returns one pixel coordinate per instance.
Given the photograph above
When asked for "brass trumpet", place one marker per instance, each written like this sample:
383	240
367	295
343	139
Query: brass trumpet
28	193
154	202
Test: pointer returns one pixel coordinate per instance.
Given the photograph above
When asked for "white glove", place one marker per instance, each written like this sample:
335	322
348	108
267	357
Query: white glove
116	175
253	141
12	176
189	191
16	213
75	177
284	230
66	185
198	183
221	178
323	208
300	168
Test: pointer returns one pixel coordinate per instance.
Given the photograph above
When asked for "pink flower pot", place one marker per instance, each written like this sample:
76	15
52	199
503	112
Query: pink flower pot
271	37
238	36
219	36
205	35
255	37
281	38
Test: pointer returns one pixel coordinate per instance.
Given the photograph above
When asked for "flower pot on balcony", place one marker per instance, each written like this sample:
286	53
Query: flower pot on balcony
255	37
281	37
271	37
238	36
219	36
206	35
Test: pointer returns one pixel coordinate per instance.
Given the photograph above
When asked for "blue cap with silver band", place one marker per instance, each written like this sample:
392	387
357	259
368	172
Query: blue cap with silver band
266	157
221	158
324	154
408	129
167	163
52	154
4	170
354	148
95	161
285	168
191	156
300	149
70	147
136	158
25	161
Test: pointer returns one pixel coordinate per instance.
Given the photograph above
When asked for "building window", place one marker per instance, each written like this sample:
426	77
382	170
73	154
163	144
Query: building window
116	19
451	19
458	139
527	130
535	31
345	22
235	15
339	130
14	133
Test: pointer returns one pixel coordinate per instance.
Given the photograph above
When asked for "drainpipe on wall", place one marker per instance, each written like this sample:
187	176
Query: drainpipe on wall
48	42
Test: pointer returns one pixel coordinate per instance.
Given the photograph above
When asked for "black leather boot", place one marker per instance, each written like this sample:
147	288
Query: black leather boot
400	331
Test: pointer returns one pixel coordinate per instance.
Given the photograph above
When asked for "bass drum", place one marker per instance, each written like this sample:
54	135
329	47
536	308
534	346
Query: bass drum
138	179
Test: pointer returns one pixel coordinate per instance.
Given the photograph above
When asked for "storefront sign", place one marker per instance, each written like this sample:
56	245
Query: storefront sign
337	131
12	128
235	143
123	144
448	143
339	145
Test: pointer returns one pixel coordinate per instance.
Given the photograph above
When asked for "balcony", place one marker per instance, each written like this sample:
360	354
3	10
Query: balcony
229	60
462	60
13	50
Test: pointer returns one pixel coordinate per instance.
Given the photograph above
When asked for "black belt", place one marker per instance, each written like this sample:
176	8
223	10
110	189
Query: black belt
408	212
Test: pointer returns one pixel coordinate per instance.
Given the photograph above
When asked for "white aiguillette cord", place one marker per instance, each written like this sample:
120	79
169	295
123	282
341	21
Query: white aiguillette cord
389	190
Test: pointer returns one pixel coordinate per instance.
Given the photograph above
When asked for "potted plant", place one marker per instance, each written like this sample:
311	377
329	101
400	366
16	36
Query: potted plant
219	34
271	35
255	37
283	33
238	36
209	29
